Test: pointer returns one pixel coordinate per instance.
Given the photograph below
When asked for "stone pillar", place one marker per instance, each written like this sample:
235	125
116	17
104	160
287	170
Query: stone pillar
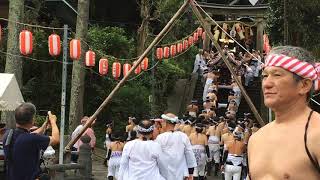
260	28
85	157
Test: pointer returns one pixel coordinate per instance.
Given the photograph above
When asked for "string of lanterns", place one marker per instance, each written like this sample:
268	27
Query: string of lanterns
180	46
54	47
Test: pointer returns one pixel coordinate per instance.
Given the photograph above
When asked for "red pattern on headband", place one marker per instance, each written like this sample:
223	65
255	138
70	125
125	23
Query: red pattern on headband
294	65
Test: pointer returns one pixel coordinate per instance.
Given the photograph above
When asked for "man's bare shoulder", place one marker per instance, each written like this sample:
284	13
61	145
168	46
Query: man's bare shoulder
263	132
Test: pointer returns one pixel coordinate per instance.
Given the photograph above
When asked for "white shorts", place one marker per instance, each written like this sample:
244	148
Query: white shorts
215	152
232	172
199	153
114	164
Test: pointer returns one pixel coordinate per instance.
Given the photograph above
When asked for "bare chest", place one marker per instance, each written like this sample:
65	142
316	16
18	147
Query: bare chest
281	156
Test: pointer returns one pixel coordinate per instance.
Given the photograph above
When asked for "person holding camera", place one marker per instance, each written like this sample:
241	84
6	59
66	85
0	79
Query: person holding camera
22	148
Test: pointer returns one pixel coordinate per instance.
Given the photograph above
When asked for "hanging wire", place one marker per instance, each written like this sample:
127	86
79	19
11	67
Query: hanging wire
31	25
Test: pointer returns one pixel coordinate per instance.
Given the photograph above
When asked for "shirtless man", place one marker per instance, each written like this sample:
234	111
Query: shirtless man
193	109
132	123
288	147
201	151
255	128
233	158
187	129
228	136
208	104
214	147
114	156
210	78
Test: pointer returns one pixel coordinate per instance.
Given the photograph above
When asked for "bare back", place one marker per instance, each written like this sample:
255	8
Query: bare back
236	147
187	129
116	146
198	139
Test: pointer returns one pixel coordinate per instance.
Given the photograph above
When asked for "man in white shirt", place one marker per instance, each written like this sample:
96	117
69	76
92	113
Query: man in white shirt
199	61
177	150
142	158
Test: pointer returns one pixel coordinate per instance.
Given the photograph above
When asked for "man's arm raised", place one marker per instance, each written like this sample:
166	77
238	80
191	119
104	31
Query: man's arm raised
54	138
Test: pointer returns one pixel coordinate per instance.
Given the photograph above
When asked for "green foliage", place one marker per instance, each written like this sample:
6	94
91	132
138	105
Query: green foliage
303	22
111	40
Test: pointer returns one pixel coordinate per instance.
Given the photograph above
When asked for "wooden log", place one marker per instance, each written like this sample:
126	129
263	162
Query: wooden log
144	54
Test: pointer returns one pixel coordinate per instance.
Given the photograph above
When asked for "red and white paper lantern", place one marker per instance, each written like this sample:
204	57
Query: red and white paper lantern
159	53
138	69
126	69
166	52
190	40
173	50
116	70
185	44
90	58
179	47
54	45
195	37
144	64
199	31
75	49
103	66
25	42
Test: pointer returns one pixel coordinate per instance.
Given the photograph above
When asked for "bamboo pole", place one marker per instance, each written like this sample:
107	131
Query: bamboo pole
144	54
243	91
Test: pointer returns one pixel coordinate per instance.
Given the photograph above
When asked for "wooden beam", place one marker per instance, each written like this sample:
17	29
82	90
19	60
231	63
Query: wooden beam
240	10
144	54
226	61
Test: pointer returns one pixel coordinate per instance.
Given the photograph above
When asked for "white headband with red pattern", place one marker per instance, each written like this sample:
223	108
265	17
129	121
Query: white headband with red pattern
294	65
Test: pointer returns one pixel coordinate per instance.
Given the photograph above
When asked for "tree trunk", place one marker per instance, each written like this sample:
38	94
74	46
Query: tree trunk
13	63
143	29
78	72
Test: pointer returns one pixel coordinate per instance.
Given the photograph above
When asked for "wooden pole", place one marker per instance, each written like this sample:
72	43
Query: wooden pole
144	54
243	91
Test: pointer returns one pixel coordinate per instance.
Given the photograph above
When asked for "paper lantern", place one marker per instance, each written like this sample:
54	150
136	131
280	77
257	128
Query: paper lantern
266	44
159	53
166	52
173	50
199	31
144	64
90	58
54	45
116	70
190	40
126	69
75	49
203	36
185	44
138	69
179	47
25	42
103	66
195	37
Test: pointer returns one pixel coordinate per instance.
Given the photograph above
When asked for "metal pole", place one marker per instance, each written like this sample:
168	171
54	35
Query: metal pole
153	112
63	93
144	54
226	61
